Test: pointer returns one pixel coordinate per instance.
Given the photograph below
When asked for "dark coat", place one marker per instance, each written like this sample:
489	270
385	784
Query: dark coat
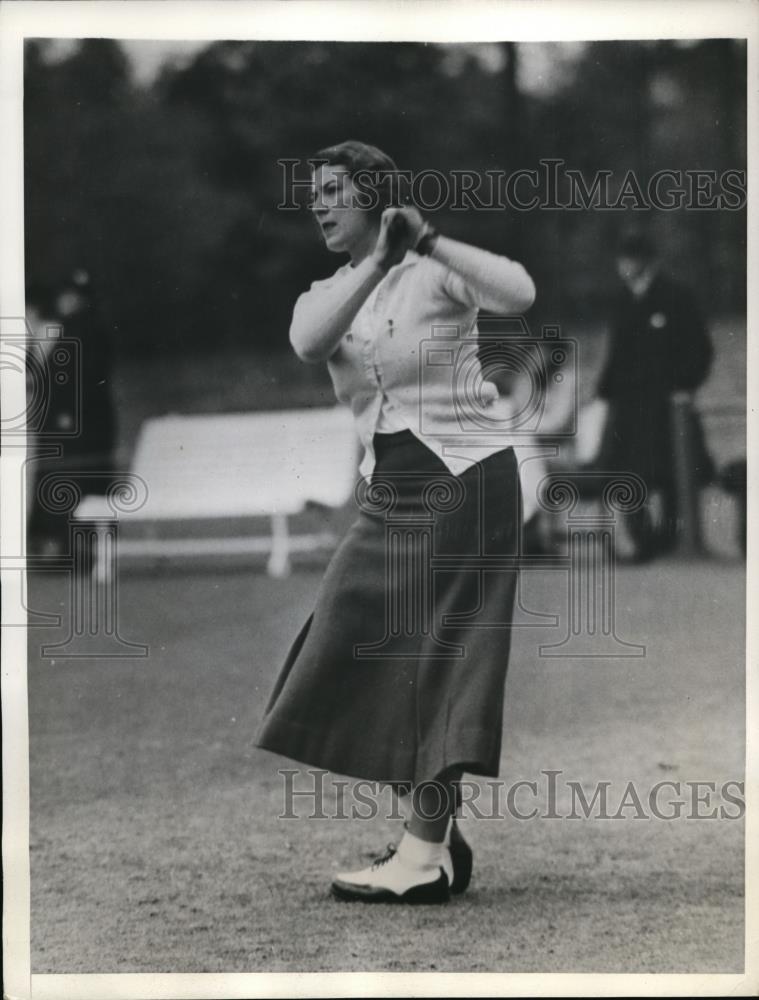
659	345
84	400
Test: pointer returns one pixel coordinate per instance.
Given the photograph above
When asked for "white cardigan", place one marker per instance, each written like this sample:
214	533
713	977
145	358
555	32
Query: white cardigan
409	357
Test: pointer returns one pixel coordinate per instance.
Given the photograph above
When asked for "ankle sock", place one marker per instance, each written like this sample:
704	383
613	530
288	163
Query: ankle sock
418	853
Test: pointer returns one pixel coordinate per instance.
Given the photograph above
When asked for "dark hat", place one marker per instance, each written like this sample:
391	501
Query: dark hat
635	242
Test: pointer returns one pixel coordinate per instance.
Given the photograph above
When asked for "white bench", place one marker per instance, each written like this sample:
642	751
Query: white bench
234	465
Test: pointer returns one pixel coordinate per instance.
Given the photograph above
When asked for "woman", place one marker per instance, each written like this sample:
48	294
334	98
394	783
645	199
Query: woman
393	678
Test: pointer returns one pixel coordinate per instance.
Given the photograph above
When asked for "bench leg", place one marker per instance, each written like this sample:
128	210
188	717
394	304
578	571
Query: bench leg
102	570
279	559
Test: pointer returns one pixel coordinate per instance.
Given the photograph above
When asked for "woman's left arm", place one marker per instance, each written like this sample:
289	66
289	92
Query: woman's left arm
498	283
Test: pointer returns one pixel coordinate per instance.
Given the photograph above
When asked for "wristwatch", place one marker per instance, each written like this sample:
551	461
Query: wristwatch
426	242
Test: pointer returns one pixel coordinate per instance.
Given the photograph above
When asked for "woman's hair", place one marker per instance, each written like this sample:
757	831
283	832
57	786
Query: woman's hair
376	171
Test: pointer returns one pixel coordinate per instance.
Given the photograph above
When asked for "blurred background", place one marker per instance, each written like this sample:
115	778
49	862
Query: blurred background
153	166
153	237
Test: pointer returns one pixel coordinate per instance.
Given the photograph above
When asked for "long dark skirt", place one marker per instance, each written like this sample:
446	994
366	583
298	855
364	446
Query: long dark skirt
399	671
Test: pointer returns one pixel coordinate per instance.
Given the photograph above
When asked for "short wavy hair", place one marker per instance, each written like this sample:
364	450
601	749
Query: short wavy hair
376	170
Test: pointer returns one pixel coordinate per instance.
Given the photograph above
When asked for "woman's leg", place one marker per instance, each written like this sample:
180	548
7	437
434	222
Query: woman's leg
432	831
433	803
423	867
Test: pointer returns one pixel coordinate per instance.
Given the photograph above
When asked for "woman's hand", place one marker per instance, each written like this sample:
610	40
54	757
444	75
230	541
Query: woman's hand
400	230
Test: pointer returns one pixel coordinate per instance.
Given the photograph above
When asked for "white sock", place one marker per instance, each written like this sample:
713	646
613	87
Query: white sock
417	853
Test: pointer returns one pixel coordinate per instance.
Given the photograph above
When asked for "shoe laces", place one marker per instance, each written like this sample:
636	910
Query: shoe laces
383	859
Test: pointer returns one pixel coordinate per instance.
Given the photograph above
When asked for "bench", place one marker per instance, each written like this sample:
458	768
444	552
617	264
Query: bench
215	467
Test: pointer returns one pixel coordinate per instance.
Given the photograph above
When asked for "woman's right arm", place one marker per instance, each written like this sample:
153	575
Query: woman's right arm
322	316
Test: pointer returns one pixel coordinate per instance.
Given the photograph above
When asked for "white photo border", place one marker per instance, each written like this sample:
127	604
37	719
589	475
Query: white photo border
344	20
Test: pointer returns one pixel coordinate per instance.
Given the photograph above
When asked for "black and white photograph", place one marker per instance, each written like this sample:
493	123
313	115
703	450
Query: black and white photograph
376	528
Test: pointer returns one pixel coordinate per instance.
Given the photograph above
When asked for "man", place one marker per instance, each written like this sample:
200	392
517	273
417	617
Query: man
79	415
659	347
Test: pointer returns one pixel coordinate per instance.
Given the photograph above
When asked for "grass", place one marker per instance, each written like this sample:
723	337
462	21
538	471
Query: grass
155	842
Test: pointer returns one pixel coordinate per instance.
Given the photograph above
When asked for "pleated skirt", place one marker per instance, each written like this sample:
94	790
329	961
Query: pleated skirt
399	671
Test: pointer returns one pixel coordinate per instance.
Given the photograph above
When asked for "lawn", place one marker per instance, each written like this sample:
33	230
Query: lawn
155	839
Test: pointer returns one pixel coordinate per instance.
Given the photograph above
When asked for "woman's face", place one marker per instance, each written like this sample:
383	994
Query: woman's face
343	225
